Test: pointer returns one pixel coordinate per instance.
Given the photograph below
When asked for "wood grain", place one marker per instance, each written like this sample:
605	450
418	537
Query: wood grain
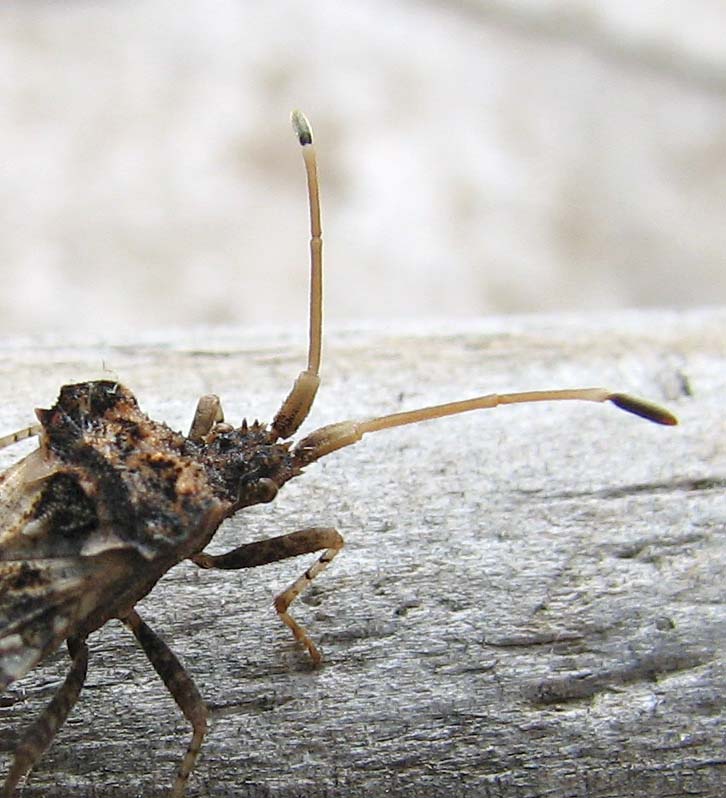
530	601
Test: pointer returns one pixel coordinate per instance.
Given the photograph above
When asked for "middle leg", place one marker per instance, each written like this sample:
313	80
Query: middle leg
180	685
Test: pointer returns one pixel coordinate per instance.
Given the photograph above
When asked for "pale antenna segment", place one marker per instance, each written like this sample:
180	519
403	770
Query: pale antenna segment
345	433
296	407
304	134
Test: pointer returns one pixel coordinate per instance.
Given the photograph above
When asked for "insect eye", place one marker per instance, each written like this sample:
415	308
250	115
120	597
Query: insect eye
258	491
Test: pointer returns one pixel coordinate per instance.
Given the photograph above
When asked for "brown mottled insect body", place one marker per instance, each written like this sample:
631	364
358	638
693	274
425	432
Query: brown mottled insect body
123	493
110	492
111	500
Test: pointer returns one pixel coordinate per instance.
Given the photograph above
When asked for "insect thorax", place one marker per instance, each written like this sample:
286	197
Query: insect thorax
111	468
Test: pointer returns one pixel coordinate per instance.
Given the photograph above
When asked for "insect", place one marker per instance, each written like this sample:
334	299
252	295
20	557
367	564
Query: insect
111	500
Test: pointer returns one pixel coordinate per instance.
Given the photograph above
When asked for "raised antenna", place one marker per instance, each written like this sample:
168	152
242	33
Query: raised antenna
295	408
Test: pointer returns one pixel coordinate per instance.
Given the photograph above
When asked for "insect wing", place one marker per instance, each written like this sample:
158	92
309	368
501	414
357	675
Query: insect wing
41	602
55	568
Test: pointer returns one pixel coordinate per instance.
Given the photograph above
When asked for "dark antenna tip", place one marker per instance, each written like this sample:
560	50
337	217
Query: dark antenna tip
302	128
647	410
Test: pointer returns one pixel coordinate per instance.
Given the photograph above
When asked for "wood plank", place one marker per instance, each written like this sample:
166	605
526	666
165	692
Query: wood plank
530	601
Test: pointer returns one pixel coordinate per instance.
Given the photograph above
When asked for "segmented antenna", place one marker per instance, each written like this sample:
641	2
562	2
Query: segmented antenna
297	405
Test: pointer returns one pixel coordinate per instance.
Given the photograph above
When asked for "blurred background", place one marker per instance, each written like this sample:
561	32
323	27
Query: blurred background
476	157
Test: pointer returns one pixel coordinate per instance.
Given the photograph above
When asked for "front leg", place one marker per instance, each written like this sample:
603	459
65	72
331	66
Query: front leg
263	552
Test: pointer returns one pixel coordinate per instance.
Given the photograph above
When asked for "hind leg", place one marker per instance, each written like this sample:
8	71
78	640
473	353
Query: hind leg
39	735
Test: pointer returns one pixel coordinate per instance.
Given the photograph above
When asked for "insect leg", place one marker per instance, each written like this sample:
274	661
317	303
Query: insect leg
20	435
262	552
182	688
297	405
208	413
39	735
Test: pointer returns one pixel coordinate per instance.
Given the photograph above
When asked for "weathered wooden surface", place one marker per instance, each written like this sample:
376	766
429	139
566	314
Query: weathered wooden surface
530	601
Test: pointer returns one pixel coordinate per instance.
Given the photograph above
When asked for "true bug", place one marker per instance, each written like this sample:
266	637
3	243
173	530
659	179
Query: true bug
110	500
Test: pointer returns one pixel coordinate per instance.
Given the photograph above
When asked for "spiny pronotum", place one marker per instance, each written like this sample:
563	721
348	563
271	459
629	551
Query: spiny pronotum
111	500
